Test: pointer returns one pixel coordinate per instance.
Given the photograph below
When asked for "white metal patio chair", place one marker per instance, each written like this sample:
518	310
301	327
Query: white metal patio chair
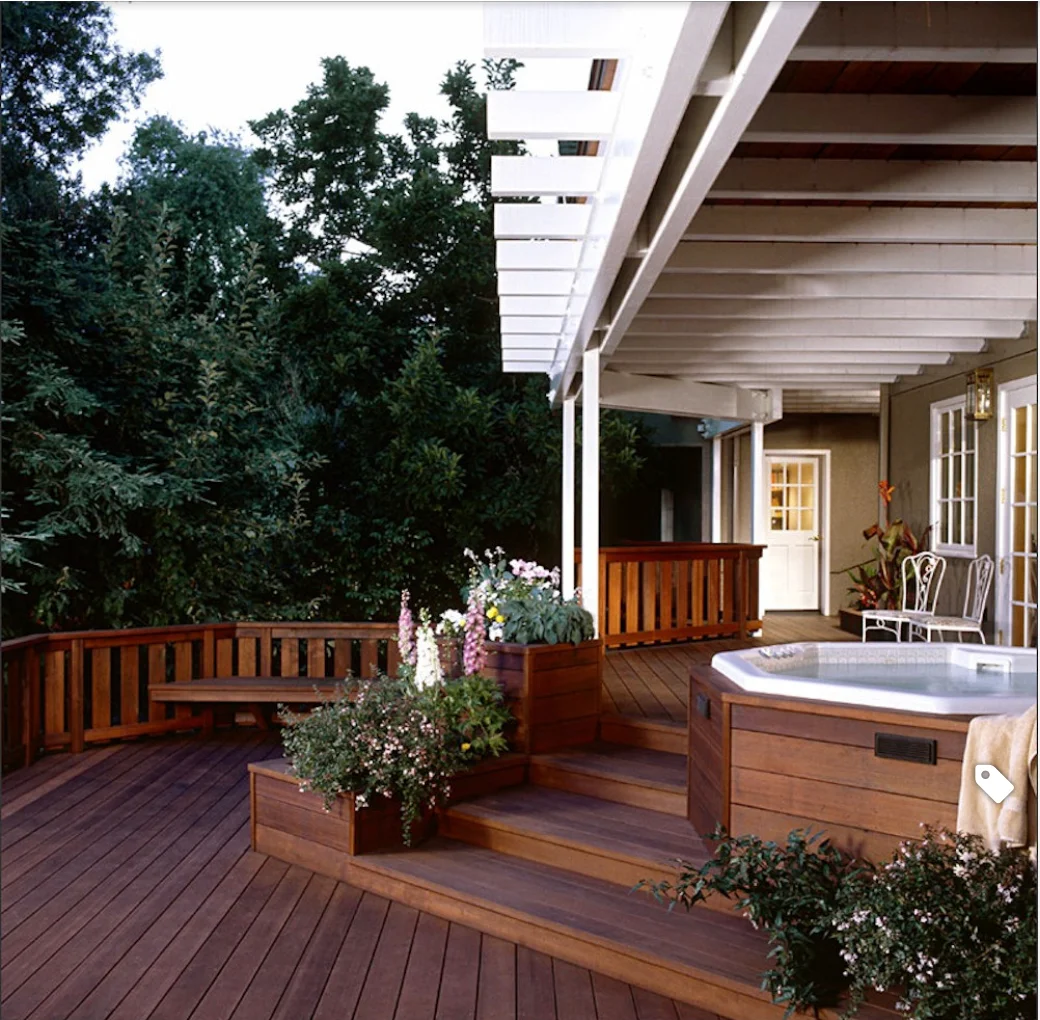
922	578
980	577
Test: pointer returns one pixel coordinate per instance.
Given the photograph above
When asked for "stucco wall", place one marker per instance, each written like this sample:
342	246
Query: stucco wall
852	440
910	452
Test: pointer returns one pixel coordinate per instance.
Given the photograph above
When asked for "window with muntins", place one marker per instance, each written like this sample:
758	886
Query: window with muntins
953	483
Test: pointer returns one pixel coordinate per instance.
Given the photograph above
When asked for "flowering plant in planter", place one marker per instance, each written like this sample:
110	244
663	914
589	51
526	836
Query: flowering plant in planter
950	924
523	603
392	738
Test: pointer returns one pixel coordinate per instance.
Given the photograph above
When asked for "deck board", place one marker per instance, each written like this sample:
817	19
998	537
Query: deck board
134	896
651	682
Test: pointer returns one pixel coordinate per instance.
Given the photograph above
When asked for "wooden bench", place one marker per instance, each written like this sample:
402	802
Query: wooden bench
255	693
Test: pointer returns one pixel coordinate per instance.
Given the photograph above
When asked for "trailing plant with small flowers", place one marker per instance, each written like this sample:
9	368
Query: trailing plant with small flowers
390	738
949	924
523	603
790	890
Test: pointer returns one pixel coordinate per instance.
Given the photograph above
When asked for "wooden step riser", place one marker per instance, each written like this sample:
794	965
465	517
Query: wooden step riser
620	791
632	733
578	858
704	990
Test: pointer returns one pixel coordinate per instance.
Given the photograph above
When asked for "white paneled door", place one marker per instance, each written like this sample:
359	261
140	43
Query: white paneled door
1016	528
791	561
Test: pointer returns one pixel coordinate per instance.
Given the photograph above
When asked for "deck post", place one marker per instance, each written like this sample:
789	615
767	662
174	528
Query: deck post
716	489
758	478
590	484
567	509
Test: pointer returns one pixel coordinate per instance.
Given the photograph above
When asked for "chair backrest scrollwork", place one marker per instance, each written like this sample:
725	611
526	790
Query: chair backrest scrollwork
922	579
980	577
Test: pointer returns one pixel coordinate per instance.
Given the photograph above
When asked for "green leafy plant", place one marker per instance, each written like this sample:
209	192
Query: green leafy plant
788	889
524	603
386	738
877	583
950	924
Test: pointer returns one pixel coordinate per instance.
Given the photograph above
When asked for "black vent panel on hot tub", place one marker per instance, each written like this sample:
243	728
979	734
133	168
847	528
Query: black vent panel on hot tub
901	748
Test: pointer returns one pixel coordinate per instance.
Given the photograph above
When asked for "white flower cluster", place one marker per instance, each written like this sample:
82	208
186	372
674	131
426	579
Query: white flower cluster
427	658
452	623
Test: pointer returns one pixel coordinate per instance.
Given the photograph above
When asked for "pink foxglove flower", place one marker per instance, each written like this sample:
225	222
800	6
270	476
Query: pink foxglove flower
474	651
406	632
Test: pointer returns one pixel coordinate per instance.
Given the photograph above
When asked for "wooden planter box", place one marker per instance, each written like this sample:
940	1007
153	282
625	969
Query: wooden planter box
553	690
295	826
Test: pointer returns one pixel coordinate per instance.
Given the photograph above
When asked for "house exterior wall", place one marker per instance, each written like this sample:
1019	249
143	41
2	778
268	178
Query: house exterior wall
852	440
910	451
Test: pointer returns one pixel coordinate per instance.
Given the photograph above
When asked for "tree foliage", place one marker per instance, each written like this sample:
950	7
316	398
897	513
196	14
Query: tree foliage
244	384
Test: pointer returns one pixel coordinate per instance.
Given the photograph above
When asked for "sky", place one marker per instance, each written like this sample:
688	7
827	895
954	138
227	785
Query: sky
226	63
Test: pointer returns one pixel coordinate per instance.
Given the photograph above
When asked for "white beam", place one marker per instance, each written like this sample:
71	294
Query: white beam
855	119
886	285
521	255
531	324
515	304
567	509
521	116
790	257
590	387
628	391
535	283
533	341
533	30
858	224
768	47
837	308
555	220
658	98
778	369
972	328
534	176
665	344
970	33
667	360
876	180
763	380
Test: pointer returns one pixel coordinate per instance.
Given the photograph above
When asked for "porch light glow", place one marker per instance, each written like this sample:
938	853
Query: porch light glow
978	398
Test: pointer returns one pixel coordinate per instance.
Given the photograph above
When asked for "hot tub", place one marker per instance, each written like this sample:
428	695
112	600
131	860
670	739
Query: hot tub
940	679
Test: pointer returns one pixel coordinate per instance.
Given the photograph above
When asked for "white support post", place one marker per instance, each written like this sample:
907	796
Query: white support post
716	489
590	484
883	448
567	518
758	470
758	478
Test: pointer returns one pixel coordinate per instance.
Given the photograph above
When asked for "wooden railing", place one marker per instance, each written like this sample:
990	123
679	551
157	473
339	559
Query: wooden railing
71	689
672	591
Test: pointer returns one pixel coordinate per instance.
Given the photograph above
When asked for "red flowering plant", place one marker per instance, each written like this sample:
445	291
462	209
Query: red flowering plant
877	583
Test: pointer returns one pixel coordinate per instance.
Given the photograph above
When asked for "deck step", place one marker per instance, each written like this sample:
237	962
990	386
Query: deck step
655	780
603	839
704	958
654	734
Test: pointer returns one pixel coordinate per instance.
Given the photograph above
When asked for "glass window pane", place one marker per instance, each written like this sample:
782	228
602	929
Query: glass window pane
792	474
944	431
969	476
808	524
1020	429
969	522
944	522
955	521
957	422
808	497
776	474
1018	484
970	431
776	521
776	496
809	473
1019	524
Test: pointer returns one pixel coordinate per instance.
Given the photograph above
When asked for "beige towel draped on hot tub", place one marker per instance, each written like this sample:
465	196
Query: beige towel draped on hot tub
1007	742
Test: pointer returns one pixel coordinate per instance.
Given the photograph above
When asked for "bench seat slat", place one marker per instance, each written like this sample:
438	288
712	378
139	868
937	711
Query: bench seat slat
246	689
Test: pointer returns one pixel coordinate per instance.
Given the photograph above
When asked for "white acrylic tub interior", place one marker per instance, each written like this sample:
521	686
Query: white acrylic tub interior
942	679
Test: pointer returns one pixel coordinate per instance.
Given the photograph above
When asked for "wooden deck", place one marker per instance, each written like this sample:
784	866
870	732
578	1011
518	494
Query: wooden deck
129	892
652	683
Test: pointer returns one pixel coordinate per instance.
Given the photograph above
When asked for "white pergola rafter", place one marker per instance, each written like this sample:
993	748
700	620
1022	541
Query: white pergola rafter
946	328
835	308
875	180
853	119
782	344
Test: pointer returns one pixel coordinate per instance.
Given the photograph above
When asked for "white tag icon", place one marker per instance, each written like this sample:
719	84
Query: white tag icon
993	783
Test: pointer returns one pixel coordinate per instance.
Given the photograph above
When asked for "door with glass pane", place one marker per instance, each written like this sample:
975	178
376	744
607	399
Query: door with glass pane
1016	536
791	560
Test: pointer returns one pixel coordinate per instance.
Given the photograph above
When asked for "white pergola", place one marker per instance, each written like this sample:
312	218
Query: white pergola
745	231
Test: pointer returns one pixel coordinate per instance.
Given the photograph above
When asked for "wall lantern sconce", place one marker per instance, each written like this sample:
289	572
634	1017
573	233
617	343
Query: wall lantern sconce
978	398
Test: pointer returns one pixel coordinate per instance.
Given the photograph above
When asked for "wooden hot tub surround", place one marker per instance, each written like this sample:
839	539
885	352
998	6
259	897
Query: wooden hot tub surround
766	765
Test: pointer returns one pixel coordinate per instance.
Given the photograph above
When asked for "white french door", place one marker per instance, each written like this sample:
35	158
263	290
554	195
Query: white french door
791	560
1016	515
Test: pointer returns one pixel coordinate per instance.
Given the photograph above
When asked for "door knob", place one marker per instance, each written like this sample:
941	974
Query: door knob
815	538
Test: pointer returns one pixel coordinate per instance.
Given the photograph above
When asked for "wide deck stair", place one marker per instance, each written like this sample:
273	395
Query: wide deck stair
552	864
